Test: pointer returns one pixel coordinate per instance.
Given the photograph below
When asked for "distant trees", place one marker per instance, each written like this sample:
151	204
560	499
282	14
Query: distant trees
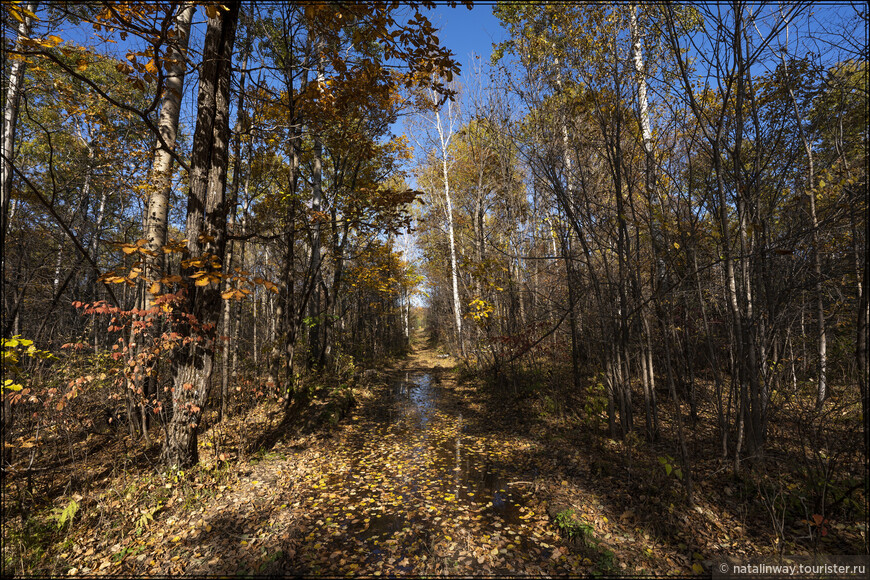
261	238
671	211
656	202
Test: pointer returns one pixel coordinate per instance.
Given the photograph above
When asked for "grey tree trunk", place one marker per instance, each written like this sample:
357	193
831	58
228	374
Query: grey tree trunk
863	328
206	231
227	343
315	331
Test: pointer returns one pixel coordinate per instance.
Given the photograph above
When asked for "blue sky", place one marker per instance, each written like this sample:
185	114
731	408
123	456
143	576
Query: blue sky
467	31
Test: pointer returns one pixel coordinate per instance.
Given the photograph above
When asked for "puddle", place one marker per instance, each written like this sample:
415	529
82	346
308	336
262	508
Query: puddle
459	462
416	481
382	526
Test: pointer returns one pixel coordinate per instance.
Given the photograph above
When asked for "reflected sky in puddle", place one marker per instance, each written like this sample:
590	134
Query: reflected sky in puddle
460	463
413	482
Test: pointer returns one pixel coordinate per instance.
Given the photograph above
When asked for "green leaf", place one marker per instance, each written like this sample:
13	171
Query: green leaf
65	515
668	468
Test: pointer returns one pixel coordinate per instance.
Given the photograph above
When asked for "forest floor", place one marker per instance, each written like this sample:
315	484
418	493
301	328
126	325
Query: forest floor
425	474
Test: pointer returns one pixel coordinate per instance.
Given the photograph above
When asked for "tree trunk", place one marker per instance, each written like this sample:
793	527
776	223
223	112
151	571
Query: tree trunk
444	138
10	118
863	327
647	370
206	231
226	344
681	439
810	192
157	211
315	328
156	219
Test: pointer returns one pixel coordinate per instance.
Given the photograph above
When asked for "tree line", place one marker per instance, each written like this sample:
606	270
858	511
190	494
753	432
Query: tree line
199	196
644	205
651	202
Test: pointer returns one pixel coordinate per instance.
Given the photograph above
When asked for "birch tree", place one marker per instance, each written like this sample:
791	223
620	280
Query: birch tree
10	115
445	128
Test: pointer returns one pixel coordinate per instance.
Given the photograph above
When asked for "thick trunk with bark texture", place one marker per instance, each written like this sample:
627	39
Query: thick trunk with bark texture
206	231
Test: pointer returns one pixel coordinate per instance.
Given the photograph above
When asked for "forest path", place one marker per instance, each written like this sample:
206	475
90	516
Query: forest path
415	481
428	474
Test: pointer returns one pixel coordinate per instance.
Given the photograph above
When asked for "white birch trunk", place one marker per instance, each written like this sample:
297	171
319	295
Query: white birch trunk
10	118
156	218
643	102
444	138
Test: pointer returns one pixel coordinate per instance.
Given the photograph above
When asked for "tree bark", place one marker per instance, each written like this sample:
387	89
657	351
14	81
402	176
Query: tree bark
454	270
809	190
10	118
157	210
314	313
863	328
156	218
227	342
206	231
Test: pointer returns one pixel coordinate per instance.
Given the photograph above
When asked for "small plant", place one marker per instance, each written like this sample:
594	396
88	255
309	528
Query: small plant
268	560
669	463
596	400
128	551
62	516
263	454
572	529
146	517
606	563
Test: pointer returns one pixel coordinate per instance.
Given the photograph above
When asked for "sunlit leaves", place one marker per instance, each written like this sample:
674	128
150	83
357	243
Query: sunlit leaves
479	310
20	12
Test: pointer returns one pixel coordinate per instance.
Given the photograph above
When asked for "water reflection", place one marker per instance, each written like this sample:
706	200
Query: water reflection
420	481
436	444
